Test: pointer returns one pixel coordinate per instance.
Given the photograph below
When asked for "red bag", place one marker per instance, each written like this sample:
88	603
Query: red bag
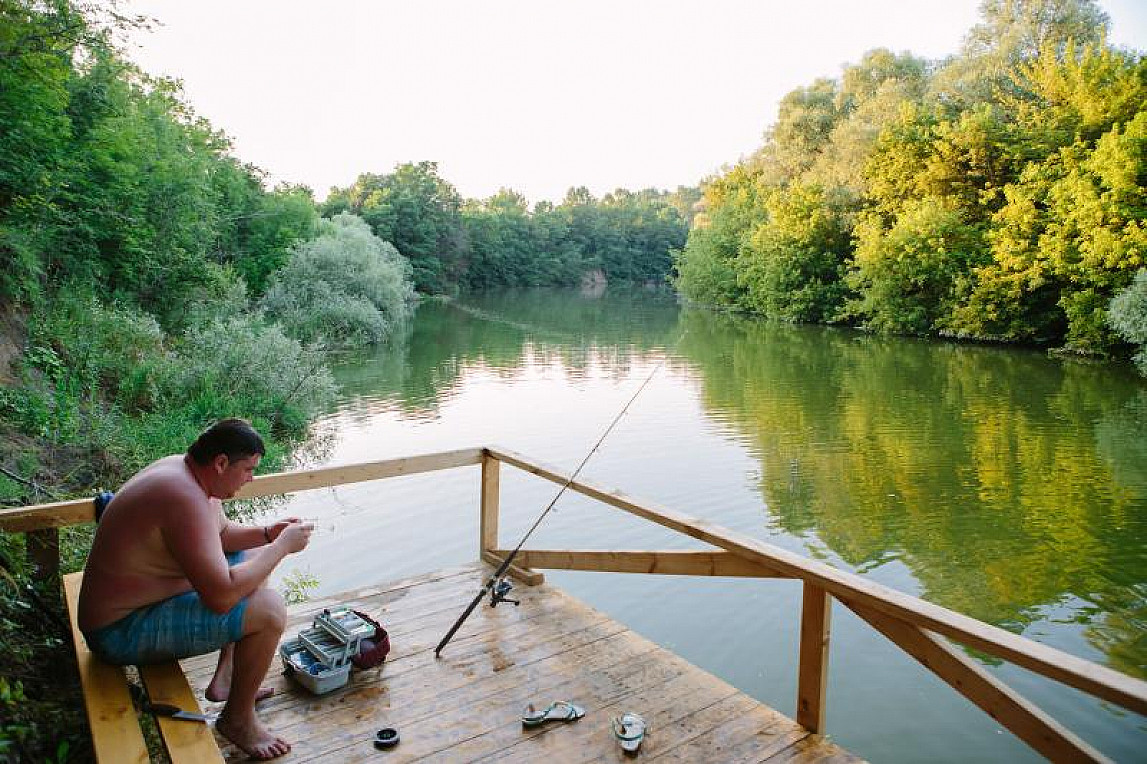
373	649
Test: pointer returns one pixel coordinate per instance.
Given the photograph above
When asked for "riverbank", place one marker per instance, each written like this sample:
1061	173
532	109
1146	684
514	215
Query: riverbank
98	392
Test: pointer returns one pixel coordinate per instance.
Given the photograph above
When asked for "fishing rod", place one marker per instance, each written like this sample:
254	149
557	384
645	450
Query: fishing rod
497	586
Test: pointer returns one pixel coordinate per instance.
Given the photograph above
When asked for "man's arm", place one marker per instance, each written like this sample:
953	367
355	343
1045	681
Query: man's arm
236	538
191	532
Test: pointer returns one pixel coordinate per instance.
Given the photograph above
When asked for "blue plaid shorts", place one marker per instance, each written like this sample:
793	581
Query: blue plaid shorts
177	627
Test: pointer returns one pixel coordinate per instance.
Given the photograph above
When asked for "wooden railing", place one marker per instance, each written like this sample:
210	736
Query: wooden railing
916	626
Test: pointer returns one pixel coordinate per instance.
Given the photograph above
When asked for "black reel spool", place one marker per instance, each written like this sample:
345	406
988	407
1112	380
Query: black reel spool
498	594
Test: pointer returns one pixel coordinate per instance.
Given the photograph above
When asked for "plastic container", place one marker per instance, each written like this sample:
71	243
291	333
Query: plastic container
312	673
318	658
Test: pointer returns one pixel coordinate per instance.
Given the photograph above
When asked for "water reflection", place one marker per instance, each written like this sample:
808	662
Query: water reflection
1006	481
1001	483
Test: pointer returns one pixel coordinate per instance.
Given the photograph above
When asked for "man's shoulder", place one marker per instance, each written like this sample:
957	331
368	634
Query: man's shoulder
169	482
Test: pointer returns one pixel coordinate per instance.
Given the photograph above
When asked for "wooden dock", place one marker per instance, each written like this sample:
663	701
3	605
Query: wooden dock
465	705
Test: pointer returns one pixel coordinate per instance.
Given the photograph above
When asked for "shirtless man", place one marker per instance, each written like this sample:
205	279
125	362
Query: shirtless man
168	576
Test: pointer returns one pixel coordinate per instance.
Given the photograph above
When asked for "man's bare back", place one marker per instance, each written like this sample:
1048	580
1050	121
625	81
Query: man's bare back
130	565
170	576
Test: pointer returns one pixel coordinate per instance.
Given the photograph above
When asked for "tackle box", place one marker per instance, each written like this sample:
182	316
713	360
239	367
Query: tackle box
318	658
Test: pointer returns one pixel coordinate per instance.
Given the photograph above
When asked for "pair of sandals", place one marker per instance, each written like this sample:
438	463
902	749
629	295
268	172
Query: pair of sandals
629	728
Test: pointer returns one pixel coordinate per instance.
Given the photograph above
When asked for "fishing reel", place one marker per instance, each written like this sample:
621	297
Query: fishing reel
499	592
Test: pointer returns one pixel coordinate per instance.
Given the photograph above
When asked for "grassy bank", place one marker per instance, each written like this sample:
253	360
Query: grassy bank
99	391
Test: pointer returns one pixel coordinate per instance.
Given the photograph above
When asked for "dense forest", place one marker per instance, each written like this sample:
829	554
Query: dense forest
152	283
143	259
998	194
454	243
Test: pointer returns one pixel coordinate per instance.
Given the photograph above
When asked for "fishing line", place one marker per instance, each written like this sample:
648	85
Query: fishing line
497	586
534	329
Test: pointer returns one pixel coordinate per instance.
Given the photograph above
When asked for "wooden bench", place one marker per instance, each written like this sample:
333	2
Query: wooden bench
116	734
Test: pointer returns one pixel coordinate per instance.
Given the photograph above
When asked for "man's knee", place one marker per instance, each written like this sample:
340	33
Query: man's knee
265	611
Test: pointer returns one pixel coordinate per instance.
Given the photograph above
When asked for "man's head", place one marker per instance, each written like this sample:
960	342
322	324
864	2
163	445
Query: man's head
229	451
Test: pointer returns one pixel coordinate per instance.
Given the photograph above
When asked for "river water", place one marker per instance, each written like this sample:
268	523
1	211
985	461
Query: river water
1000	483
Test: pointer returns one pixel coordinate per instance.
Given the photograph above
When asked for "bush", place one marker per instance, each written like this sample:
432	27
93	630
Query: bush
1128	316
109	385
243	366
345	287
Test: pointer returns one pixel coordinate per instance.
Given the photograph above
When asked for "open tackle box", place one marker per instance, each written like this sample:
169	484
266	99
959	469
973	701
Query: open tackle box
319	658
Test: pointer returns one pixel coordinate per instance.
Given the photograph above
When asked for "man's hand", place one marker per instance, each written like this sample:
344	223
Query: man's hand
295	536
273	531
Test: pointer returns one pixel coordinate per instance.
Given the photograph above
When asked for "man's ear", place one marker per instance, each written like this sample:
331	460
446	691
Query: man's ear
220	463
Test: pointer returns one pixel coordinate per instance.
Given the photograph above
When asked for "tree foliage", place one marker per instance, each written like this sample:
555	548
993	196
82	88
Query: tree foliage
998	194
346	286
454	243
1128	316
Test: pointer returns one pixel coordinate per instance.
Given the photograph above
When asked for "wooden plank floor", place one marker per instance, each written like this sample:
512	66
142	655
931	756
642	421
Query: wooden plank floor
464	706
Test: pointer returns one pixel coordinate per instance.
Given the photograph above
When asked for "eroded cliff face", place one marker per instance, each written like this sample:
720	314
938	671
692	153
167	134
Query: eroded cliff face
12	333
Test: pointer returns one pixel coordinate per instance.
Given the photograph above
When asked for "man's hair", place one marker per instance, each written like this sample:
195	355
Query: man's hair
235	438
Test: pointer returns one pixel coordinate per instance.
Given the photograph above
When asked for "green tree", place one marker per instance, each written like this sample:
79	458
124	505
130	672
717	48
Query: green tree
278	222
1010	33
344	287
731	208
908	275
792	266
1127	314
419	213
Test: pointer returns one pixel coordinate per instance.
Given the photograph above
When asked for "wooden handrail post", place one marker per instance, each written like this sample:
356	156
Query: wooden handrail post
43	549
812	678
491	487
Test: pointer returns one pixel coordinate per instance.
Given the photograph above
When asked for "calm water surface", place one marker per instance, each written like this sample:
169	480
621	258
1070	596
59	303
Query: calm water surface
1000	483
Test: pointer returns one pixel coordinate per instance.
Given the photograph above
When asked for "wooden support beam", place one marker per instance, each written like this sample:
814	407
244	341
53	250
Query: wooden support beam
54	515
812	676
43	549
74	512
1002	703
671	563
304	480
516	572
491	488
1100	681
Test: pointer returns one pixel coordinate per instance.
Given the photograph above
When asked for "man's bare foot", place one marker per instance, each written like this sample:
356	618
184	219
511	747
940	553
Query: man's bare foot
217	694
252	738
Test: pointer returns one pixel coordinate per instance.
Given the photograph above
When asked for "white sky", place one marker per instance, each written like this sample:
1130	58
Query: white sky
535	96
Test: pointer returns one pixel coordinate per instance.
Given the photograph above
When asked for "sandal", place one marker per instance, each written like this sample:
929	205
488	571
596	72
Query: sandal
629	729
559	711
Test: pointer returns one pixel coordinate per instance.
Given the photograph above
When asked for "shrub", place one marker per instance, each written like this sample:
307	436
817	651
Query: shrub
345	287
1128	316
243	366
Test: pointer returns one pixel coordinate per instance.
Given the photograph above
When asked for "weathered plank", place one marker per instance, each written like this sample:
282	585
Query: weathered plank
324	477
516	570
116	736
491	489
667	562
54	515
812	673
999	701
465	705
187	742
